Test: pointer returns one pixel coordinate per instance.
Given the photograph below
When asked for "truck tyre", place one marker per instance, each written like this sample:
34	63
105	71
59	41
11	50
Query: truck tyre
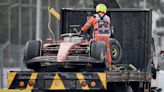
116	51
32	49
99	52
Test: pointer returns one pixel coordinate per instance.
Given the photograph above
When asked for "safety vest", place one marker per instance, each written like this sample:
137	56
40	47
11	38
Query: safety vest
103	25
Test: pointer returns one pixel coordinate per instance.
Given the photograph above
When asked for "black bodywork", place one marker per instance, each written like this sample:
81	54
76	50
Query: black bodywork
132	28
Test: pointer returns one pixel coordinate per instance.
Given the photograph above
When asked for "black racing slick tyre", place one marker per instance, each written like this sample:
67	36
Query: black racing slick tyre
32	49
99	52
116	51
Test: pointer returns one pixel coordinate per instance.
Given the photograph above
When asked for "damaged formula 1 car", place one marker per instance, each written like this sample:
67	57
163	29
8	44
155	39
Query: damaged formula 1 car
71	52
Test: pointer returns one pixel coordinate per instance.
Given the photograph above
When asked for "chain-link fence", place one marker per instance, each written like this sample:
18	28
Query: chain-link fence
18	25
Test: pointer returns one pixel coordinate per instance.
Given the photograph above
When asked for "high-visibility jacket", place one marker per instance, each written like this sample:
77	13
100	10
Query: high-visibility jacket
101	25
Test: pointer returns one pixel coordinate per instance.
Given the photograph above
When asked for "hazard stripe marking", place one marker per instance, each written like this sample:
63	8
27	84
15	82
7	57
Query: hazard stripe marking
32	79
11	77
93	78
102	77
14	90
66	80
40	82
18	78
81	79
57	83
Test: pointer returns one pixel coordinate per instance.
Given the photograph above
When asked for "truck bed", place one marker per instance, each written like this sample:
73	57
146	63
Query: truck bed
74	80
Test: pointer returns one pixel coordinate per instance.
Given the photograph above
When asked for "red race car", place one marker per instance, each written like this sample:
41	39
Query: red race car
72	51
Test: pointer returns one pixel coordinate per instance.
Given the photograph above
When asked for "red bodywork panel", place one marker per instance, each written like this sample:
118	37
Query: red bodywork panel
62	49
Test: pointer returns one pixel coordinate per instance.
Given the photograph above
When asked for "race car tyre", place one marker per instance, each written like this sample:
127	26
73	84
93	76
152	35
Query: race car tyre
116	51
32	49
99	52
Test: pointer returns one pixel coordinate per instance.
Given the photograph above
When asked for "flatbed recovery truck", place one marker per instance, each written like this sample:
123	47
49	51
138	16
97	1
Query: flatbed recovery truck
133	31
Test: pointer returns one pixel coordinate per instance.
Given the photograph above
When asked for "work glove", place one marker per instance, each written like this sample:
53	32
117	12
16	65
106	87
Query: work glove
80	32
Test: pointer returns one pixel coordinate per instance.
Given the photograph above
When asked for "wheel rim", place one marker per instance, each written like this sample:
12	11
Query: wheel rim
103	56
115	52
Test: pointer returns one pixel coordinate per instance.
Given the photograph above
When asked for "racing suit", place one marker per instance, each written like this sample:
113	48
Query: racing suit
101	24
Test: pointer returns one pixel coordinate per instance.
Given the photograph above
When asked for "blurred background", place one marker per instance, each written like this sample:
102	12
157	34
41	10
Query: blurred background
20	20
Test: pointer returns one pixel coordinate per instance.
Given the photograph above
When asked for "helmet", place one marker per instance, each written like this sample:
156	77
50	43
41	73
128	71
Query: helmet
101	8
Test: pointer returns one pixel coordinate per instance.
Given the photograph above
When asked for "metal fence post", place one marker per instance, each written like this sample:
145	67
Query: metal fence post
1	68
57	23
39	20
2	62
